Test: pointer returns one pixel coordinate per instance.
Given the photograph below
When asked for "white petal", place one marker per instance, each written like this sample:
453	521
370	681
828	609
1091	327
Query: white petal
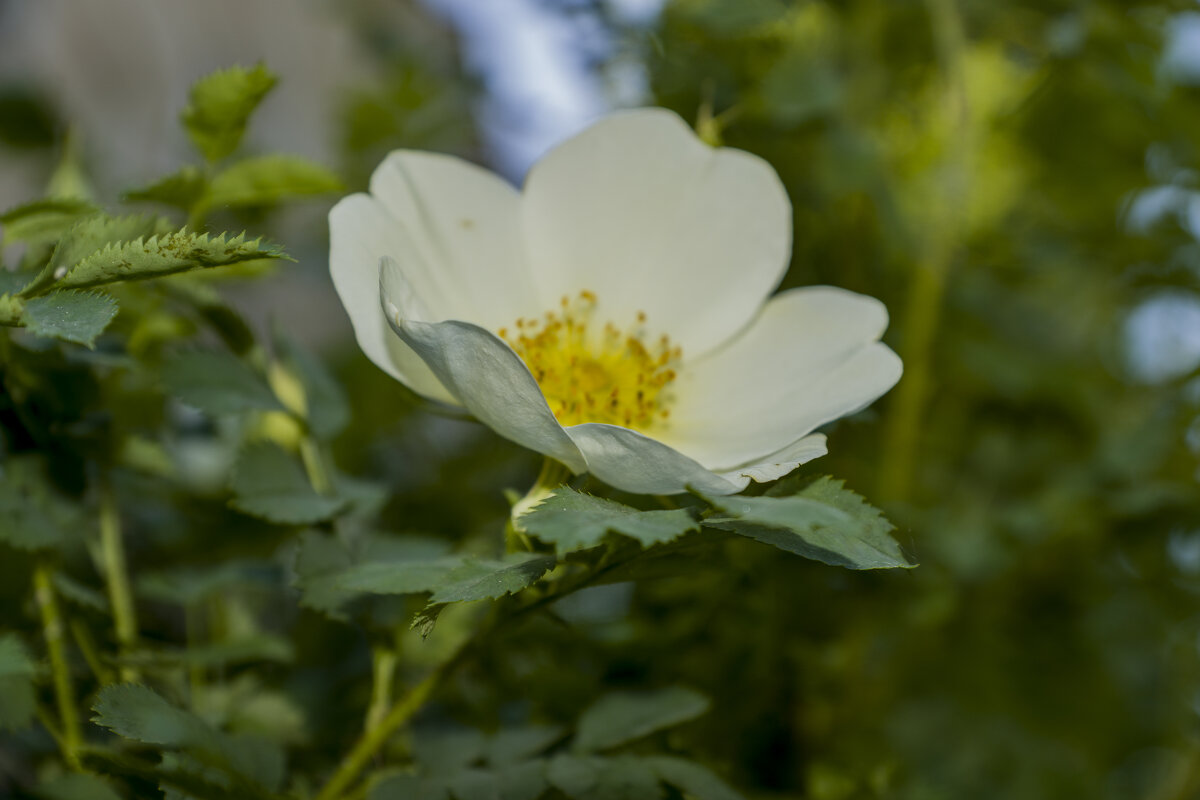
812	356
644	214
464	223
360	232
779	464
480	370
636	463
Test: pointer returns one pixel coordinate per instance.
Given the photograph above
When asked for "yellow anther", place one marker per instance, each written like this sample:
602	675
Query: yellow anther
594	373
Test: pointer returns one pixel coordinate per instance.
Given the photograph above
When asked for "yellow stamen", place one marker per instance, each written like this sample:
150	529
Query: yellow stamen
611	376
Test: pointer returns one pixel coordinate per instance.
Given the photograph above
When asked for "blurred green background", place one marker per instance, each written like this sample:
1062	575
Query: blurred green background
1019	182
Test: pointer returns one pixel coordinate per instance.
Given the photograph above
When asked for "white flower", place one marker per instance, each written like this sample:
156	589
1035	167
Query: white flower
614	314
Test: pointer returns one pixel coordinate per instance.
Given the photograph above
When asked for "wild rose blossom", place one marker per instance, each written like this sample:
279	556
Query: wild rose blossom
614	315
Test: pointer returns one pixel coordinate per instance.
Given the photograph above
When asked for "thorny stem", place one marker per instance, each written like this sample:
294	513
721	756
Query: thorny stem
116	574
552	475
70	738
923	308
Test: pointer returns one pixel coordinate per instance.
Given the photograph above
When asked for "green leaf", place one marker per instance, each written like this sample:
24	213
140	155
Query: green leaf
270	484
452	579
217	382
264	180
88	236
165	254
77	786
524	781
220	106
257	648
138	713
326	409
822	521
187	585
484	579
692	779
43	220
409	787
598	778
572	520
620	717
72	316
180	189
32	515
510	745
17	702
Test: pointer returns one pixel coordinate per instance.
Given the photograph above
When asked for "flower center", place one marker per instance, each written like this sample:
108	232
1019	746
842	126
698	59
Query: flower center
592	374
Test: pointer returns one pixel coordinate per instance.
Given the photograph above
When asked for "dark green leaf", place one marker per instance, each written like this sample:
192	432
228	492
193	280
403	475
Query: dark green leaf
72	315
179	189
524	781
32	516
220	106
270	179
822	521
260	647
77	787
17	703
217	382
481	579
269	483
598	778
137	713
571	520
326	409
621	717
694	780
509	745
409	787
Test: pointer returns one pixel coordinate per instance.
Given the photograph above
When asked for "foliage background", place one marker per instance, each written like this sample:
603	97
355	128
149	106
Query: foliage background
1016	181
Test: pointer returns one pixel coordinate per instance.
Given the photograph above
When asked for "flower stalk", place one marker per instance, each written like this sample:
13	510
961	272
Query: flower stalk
552	475
116	575
69	736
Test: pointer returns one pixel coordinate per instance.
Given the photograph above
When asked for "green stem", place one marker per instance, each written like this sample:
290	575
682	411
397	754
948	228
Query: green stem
116	574
383	675
374	738
552	475
314	465
83	640
52	629
924	305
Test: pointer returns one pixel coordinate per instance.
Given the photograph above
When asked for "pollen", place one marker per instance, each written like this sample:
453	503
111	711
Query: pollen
597	373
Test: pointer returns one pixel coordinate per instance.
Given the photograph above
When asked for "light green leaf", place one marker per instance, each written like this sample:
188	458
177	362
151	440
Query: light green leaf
220	106
17	701
43	220
598	778
572	520
485	579
165	254
77	786
822	521
692	779
71	315
217	382
270	484
180	189
264	180
620	717
86	237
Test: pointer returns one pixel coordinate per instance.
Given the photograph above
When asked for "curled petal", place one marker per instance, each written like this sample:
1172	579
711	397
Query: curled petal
481	371
360	233
636	463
